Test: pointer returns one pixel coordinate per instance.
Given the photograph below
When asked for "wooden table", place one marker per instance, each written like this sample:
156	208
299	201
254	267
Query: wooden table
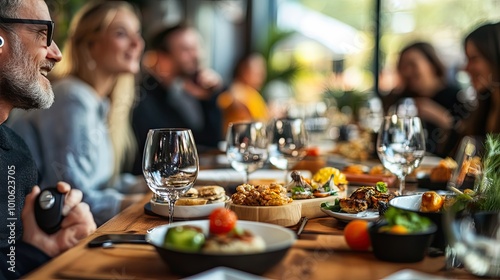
320	253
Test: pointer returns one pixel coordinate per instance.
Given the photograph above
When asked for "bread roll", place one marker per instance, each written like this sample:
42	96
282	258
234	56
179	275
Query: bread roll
431	202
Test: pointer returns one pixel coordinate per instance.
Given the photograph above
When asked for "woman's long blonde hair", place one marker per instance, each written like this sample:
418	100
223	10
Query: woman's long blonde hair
92	19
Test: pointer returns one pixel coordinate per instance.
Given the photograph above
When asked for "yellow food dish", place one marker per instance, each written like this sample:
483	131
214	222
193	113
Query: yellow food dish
324	174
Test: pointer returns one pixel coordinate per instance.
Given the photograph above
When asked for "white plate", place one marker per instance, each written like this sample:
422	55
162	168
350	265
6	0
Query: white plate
410	274
430	161
224	273
186	211
368	215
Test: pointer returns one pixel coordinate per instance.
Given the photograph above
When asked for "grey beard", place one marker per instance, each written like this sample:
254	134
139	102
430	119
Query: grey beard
21	87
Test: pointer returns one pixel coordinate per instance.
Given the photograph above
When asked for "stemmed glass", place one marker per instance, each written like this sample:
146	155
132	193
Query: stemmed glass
473	239
288	143
404	107
401	145
170	164
246	146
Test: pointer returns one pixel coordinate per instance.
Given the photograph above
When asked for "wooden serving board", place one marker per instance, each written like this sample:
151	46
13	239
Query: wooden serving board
286	215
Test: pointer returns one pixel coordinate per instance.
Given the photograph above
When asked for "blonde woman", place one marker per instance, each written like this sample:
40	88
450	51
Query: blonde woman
85	137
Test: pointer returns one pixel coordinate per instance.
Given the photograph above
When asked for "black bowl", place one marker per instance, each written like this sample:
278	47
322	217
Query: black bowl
401	248
412	203
278	241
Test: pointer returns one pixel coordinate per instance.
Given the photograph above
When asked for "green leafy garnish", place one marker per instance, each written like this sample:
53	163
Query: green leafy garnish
298	189
326	186
381	187
335	206
410	220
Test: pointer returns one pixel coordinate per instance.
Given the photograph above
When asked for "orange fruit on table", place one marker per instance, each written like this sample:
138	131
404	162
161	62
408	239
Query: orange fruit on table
356	235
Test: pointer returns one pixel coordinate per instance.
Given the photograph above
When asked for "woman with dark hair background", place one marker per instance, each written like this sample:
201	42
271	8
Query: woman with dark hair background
482	48
423	78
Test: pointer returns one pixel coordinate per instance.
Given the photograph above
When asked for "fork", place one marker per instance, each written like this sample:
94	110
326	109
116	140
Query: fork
302	224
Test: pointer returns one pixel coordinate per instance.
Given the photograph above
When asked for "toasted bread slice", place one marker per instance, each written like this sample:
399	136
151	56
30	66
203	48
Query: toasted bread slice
191	193
210	191
190	201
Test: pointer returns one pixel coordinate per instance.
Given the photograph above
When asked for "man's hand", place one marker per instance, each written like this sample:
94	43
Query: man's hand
77	224
431	111
207	81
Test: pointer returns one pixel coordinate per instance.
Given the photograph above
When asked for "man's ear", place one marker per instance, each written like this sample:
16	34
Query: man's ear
2	41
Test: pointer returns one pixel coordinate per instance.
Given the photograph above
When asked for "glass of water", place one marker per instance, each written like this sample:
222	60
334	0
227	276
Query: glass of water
246	146
170	164
401	145
474	239
288	143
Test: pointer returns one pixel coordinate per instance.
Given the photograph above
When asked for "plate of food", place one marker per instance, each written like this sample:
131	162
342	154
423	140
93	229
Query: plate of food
197	202
365	203
368	215
438	176
191	247
285	205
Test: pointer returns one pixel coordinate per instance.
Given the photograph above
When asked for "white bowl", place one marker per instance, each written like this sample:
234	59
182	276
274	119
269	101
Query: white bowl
407	202
186	211
278	241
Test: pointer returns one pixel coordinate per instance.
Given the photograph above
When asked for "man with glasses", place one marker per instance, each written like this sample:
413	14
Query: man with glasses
27	55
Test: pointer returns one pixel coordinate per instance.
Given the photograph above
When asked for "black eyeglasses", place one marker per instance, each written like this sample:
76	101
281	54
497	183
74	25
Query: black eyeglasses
49	23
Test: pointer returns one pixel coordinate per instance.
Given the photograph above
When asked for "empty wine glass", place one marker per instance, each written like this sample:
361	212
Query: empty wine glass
401	145
246	146
474	240
170	164
404	107
288	143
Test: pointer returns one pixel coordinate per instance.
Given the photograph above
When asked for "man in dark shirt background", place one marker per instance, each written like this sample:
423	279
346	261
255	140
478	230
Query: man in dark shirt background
176	91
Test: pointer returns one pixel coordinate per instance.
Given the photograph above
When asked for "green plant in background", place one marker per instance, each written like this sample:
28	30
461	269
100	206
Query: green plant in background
285	72
62	12
352	99
486	194
489	185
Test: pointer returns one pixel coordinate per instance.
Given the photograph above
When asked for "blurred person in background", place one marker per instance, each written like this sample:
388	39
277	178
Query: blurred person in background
243	101
176	91
27	55
482	48
423	78
85	138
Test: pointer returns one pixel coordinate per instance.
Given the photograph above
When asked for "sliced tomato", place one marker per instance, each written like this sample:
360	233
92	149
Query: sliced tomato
222	221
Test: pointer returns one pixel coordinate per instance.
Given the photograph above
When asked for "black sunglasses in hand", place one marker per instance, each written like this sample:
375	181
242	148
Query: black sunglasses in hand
48	23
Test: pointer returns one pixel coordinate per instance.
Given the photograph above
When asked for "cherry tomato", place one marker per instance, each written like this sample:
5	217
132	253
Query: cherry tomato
356	235
312	151
222	221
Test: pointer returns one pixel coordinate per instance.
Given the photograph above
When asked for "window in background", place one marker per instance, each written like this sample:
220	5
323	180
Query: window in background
332	42
444	24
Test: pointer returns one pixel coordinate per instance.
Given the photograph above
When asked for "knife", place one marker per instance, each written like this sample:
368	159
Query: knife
108	240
